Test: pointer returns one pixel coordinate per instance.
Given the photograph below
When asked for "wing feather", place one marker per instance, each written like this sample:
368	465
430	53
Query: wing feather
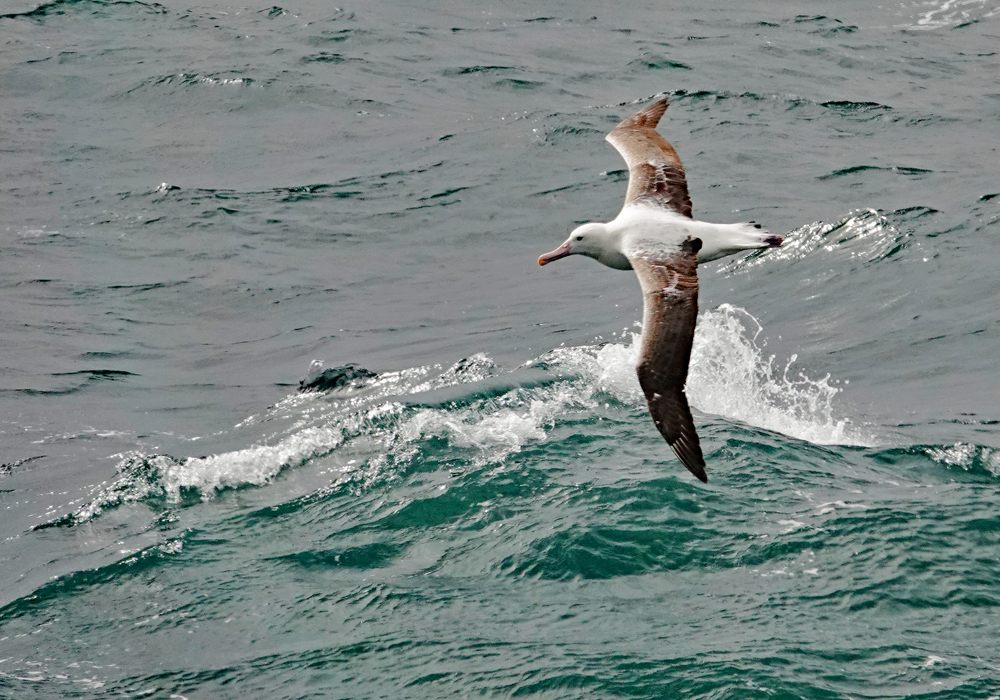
655	174
670	308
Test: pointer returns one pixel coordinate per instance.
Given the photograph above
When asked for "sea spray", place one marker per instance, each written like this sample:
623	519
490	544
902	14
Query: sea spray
863	236
730	376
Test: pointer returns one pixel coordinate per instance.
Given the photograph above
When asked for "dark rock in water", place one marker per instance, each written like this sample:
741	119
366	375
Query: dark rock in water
335	378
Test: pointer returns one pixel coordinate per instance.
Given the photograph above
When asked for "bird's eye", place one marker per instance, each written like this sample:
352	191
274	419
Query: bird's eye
579	238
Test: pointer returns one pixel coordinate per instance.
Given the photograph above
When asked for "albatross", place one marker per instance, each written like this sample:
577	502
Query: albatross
655	235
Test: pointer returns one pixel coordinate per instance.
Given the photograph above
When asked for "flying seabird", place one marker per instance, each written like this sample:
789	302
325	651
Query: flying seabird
655	235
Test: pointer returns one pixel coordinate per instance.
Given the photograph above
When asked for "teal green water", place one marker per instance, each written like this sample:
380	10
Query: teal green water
204	206
556	573
483	539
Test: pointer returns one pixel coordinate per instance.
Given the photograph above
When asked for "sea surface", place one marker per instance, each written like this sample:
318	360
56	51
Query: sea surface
289	411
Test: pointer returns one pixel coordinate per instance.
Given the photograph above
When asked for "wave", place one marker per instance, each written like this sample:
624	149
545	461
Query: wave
61	7
731	376
185	80
864	236
952	13
971	458
83	379
475	413
854	169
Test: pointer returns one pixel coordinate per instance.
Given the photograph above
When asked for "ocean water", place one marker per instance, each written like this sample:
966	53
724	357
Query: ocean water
208	207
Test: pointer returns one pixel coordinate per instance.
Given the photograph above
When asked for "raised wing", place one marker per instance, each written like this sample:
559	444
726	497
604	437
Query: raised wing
655	174
670	307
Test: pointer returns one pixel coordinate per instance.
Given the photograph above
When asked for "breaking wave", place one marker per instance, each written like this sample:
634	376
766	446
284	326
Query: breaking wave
864	236
730	376
481	414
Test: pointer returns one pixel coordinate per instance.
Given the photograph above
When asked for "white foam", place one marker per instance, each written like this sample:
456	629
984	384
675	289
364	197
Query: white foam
729	376
932	660
964	455
833	506
143	476
495	428
791	525
863	235
609	368
952	12
250	466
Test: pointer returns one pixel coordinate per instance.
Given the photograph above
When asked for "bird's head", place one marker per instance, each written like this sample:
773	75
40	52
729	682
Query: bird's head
589	240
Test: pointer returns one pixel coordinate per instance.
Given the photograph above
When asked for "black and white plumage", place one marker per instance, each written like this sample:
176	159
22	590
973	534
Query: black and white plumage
655	235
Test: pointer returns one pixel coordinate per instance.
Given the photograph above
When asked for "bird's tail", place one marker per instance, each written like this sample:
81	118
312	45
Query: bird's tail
765	238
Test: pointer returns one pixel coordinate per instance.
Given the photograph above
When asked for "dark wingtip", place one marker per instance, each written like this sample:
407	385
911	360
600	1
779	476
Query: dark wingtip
774	241
697	469
689	453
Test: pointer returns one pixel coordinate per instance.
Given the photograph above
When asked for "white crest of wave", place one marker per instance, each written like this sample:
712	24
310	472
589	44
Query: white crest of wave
252	465
964	455
863	235
141	476
495	428
507	429
729	376
609	367
952	12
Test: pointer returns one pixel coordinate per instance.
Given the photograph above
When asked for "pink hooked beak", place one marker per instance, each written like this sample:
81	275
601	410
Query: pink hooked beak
560	252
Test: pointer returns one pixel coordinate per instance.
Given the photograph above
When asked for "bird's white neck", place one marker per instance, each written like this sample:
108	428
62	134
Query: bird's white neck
609	249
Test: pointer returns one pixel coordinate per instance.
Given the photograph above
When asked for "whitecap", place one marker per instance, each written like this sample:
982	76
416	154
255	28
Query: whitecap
863	235
950	13
729	376
964	455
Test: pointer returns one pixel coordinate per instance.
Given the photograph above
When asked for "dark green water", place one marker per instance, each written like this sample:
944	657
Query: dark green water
200	201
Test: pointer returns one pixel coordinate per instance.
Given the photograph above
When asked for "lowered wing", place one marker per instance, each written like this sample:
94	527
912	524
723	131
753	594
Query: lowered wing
670	307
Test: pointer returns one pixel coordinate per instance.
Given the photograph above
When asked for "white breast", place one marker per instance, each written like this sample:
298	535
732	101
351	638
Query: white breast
642	228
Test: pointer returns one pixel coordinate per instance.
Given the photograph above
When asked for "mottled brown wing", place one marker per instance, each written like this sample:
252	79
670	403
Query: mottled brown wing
670	308
655	174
